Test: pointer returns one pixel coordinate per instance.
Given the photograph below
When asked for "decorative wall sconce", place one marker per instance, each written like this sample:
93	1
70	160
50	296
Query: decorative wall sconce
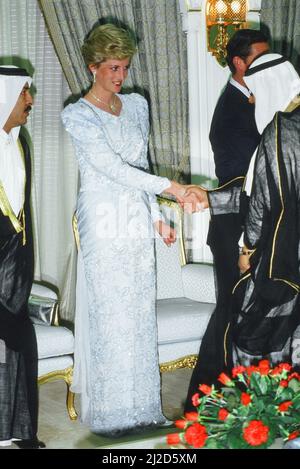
223	18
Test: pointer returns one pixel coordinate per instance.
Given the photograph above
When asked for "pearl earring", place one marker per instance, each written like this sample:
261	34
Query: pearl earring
94	77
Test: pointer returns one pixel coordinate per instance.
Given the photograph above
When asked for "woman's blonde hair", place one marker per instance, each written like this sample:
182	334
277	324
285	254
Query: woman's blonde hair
108	41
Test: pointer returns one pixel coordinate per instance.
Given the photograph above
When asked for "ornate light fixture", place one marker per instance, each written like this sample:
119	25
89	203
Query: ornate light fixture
223	18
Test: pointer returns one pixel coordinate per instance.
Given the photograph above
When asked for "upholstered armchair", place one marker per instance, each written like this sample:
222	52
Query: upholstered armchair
55	343
185	297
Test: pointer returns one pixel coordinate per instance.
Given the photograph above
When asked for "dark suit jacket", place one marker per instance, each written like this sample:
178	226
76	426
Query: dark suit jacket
233	134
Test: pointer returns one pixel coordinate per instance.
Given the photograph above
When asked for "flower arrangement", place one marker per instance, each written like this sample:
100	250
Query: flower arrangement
255	406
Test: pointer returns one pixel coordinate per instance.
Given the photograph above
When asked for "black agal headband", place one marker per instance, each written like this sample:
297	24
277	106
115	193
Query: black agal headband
12	71
259	68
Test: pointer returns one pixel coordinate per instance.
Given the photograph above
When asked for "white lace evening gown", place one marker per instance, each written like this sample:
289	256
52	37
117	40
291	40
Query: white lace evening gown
116	357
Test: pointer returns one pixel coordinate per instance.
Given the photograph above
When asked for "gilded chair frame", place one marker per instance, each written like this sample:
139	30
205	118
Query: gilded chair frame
66	375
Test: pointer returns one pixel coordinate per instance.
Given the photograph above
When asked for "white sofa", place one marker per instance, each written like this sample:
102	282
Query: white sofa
185	298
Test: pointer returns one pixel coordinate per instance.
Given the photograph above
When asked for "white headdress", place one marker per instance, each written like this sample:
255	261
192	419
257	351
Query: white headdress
274	83
12	81
12	171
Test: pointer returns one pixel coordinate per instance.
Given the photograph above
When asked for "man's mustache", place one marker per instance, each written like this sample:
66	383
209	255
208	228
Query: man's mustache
28	108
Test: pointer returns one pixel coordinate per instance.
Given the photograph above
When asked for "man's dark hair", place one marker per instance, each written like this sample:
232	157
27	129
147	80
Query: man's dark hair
240	44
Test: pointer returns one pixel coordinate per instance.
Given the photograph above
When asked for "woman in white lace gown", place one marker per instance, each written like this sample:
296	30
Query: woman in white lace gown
116	358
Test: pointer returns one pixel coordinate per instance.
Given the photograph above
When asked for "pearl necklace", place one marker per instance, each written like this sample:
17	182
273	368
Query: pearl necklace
111	106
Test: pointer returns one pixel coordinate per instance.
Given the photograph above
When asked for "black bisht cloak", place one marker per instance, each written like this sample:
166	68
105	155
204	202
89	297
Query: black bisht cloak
18	367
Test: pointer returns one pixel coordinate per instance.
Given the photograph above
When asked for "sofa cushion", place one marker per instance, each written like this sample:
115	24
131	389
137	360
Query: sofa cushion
43	291
48	365
53	341
182	319
198	282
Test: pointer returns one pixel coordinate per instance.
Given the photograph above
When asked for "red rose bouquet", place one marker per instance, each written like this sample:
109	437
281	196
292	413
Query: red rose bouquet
256	405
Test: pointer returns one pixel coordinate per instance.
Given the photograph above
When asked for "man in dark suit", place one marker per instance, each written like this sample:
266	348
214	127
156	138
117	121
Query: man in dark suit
18	348
234	138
